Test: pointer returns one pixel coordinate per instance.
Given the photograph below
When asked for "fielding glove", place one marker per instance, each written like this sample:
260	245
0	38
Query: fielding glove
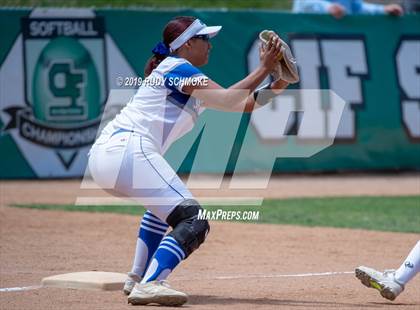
287	68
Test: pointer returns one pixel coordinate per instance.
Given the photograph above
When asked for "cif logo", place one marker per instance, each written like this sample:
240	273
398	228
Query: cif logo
57	70
66	86
65	82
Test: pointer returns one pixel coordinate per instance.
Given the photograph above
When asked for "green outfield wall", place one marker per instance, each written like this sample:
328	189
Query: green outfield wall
58	69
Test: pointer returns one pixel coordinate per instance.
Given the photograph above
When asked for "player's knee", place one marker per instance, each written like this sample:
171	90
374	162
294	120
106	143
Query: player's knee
189	231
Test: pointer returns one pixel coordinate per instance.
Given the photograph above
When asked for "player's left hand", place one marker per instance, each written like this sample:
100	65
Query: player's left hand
279	85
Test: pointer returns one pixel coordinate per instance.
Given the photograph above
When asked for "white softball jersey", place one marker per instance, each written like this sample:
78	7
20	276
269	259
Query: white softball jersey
127	160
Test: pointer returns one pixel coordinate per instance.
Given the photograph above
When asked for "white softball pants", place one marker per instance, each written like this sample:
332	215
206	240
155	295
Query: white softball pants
129	165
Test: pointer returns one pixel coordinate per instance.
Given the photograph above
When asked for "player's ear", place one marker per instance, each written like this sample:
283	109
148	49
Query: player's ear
188	43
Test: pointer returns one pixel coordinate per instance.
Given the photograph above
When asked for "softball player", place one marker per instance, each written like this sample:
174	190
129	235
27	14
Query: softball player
390	283
127	158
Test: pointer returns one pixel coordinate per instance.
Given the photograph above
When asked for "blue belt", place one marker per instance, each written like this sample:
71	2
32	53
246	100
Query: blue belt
121	130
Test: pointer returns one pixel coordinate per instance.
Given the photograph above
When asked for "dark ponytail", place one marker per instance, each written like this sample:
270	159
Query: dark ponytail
172	30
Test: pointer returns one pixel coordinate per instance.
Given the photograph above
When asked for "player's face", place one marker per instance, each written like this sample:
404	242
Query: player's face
200	50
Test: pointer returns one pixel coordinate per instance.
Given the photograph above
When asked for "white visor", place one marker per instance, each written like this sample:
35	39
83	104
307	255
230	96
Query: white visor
212	31
196	28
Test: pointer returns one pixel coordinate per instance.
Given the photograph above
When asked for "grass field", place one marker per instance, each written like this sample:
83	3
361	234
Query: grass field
398	214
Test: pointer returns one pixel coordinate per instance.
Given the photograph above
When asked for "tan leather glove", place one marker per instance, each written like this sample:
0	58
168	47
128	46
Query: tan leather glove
287	68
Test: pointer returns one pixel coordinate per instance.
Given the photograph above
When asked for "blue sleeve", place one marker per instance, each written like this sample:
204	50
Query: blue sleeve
180	72
361	7
311	6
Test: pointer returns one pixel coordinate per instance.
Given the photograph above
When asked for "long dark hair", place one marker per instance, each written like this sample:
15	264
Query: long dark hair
171	31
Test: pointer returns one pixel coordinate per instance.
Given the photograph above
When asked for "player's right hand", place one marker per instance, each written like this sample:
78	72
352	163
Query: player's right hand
270	54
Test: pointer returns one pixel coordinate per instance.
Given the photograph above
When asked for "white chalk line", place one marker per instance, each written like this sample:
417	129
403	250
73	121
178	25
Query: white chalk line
20	289
235	277
319	274
267	276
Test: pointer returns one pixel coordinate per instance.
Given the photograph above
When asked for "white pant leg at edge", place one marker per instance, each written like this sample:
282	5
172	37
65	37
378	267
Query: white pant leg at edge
410	267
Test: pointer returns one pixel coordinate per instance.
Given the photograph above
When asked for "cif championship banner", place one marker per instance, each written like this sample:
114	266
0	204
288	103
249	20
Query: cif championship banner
58	68
54	84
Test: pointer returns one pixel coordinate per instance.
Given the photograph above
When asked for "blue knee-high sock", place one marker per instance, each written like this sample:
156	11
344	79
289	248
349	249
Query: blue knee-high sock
151	232
168	255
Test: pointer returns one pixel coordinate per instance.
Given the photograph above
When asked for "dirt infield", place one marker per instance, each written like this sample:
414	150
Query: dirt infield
241	266
66	191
